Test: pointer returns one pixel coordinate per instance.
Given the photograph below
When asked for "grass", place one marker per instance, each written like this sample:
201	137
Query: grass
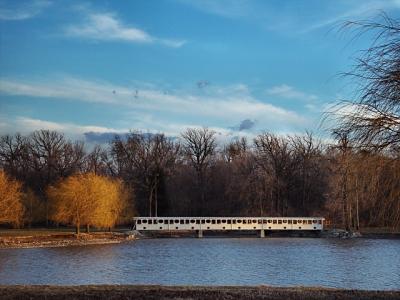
188	292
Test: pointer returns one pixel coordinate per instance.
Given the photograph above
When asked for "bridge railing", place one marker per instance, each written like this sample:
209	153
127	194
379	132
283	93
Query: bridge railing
228	223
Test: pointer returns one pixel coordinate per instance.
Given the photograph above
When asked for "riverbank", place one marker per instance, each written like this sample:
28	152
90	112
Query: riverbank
369	233
42	237
38	239
187	292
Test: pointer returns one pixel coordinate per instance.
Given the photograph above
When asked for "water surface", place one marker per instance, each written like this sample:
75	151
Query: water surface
356	263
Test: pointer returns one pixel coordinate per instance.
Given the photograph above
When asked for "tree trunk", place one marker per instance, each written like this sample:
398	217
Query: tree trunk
357	214
150	201
78	223
156	201
346	209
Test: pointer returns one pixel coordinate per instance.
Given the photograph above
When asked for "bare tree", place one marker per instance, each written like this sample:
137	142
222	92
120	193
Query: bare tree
274	156
52	157
145	160
14	155
164	153
97	161
308	157
199	147
235	149
343	170
372	119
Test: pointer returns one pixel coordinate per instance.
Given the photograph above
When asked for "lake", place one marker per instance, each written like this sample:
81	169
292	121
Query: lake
353	263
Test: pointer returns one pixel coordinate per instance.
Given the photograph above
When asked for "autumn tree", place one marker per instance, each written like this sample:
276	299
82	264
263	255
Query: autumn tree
87	199
11	208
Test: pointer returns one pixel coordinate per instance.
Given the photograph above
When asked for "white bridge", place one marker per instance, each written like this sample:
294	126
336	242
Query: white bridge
201	224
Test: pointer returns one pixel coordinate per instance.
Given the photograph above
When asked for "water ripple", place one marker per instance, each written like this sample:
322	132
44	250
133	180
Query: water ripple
358	263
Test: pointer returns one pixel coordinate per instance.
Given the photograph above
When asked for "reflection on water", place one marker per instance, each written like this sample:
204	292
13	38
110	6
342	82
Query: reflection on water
358	263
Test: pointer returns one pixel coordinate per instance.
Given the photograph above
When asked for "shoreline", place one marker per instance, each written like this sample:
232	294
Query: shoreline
54	240
33	292
51	239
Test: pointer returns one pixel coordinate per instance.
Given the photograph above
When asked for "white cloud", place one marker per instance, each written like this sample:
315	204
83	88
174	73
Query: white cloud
289	92
93	134
36	124
229	104
107	27
22	11
26	125
147	108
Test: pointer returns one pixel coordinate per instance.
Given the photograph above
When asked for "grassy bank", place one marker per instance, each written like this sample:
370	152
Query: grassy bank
182	292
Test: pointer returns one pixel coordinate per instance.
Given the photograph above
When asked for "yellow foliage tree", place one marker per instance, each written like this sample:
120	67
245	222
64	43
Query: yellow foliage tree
87	199
11	208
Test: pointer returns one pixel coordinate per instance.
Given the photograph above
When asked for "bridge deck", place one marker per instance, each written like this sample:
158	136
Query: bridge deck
227	223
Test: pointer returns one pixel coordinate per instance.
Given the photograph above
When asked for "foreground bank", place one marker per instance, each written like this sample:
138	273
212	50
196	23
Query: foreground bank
63	239
183	292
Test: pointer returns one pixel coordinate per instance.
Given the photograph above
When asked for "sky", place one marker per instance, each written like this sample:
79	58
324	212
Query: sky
240	67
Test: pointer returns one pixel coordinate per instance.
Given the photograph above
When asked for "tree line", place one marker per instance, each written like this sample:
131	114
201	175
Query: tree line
194	175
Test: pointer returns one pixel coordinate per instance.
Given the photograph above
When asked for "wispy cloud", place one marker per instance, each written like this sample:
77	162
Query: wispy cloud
108	27
361	10
289	92
287	19
219	105
22	10
93	134
25	125
224	8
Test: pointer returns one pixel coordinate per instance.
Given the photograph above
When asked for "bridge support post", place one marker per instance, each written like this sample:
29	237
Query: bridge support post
262	233
200	233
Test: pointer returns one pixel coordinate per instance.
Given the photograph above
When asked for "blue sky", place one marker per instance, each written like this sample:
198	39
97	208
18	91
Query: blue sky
239	67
